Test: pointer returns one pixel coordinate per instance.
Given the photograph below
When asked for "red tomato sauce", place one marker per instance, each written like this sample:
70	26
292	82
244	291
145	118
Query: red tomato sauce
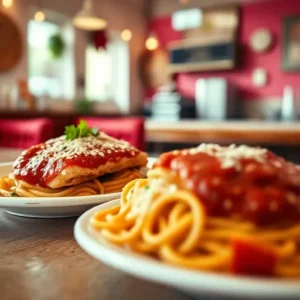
262	192
37	169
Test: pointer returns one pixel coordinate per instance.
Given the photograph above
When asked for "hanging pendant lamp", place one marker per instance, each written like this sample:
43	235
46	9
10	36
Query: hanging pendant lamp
86	19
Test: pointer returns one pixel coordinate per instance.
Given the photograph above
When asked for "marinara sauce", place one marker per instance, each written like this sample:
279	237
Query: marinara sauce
41	163
241	182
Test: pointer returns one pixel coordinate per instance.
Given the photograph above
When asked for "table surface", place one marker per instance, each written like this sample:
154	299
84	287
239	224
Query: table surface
250	132
39	259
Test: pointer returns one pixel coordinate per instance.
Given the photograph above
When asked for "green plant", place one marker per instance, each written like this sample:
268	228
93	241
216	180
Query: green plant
56	46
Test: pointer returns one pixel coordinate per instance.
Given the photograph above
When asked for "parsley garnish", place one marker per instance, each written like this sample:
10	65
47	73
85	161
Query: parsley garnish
14	194
147	187
82	130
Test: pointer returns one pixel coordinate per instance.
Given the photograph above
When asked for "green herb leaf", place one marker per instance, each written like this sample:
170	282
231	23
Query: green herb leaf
147	187
14	194
82	130
70	132
94	131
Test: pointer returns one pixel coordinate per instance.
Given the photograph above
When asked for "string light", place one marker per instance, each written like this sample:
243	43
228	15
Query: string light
152	43
7	3
126	35
39	16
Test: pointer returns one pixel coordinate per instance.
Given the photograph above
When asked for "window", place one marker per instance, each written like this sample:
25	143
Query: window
47	76
107	72
98	74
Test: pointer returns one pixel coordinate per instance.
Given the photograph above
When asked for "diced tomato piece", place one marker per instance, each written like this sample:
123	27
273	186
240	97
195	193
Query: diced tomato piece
251	258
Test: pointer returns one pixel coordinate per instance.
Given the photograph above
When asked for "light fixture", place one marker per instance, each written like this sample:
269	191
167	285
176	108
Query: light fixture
7	3
152	42
184	2
126	35
39	16
86	18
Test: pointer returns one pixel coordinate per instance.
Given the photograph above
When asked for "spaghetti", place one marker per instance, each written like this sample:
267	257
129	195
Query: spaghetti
10	186
175	217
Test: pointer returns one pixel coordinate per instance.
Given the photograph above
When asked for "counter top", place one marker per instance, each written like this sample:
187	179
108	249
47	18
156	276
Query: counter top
196	131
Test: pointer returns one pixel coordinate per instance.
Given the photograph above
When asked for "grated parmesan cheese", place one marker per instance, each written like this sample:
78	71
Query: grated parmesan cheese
230	156
59	149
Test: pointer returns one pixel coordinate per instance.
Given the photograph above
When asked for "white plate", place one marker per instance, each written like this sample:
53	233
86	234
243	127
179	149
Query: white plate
196	283
51	207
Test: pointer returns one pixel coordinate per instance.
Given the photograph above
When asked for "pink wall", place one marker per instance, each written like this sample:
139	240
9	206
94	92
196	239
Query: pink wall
268	14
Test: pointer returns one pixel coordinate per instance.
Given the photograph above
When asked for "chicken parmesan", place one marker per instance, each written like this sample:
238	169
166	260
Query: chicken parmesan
80	165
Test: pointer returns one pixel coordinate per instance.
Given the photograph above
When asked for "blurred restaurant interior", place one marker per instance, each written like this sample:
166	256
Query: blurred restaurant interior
161	75
187	71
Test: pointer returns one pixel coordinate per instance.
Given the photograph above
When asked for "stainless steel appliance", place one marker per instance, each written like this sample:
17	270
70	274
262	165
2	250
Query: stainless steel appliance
288	105
217	99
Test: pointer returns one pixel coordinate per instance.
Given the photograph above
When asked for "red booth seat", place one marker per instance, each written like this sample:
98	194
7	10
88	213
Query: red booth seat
25	133
128	129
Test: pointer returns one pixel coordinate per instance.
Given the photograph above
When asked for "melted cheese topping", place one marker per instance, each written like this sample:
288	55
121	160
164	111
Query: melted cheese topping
229	156
60	149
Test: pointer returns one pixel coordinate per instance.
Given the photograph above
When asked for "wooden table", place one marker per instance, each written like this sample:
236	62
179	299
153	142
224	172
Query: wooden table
40	260
249	132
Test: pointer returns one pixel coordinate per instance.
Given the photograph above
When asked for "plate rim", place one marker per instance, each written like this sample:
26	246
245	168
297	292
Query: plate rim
22	202
184	279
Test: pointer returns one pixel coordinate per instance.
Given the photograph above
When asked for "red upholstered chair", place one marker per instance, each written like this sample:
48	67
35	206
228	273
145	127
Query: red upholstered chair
25	133
128	129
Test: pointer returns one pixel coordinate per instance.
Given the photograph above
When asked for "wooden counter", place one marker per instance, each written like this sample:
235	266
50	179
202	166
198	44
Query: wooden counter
250	132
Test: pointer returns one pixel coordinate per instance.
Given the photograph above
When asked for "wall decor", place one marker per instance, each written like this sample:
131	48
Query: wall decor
100	39
10	43
291	43
261	40
259	77
154	67
211	46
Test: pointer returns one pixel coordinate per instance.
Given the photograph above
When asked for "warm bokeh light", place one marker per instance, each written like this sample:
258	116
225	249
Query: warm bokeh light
39	16
7	3
184	2
126	35
152	43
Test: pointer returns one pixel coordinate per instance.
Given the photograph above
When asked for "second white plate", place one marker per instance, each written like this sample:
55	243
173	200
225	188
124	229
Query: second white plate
52	207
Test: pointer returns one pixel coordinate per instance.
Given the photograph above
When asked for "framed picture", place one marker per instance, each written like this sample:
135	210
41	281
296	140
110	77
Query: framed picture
291	44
